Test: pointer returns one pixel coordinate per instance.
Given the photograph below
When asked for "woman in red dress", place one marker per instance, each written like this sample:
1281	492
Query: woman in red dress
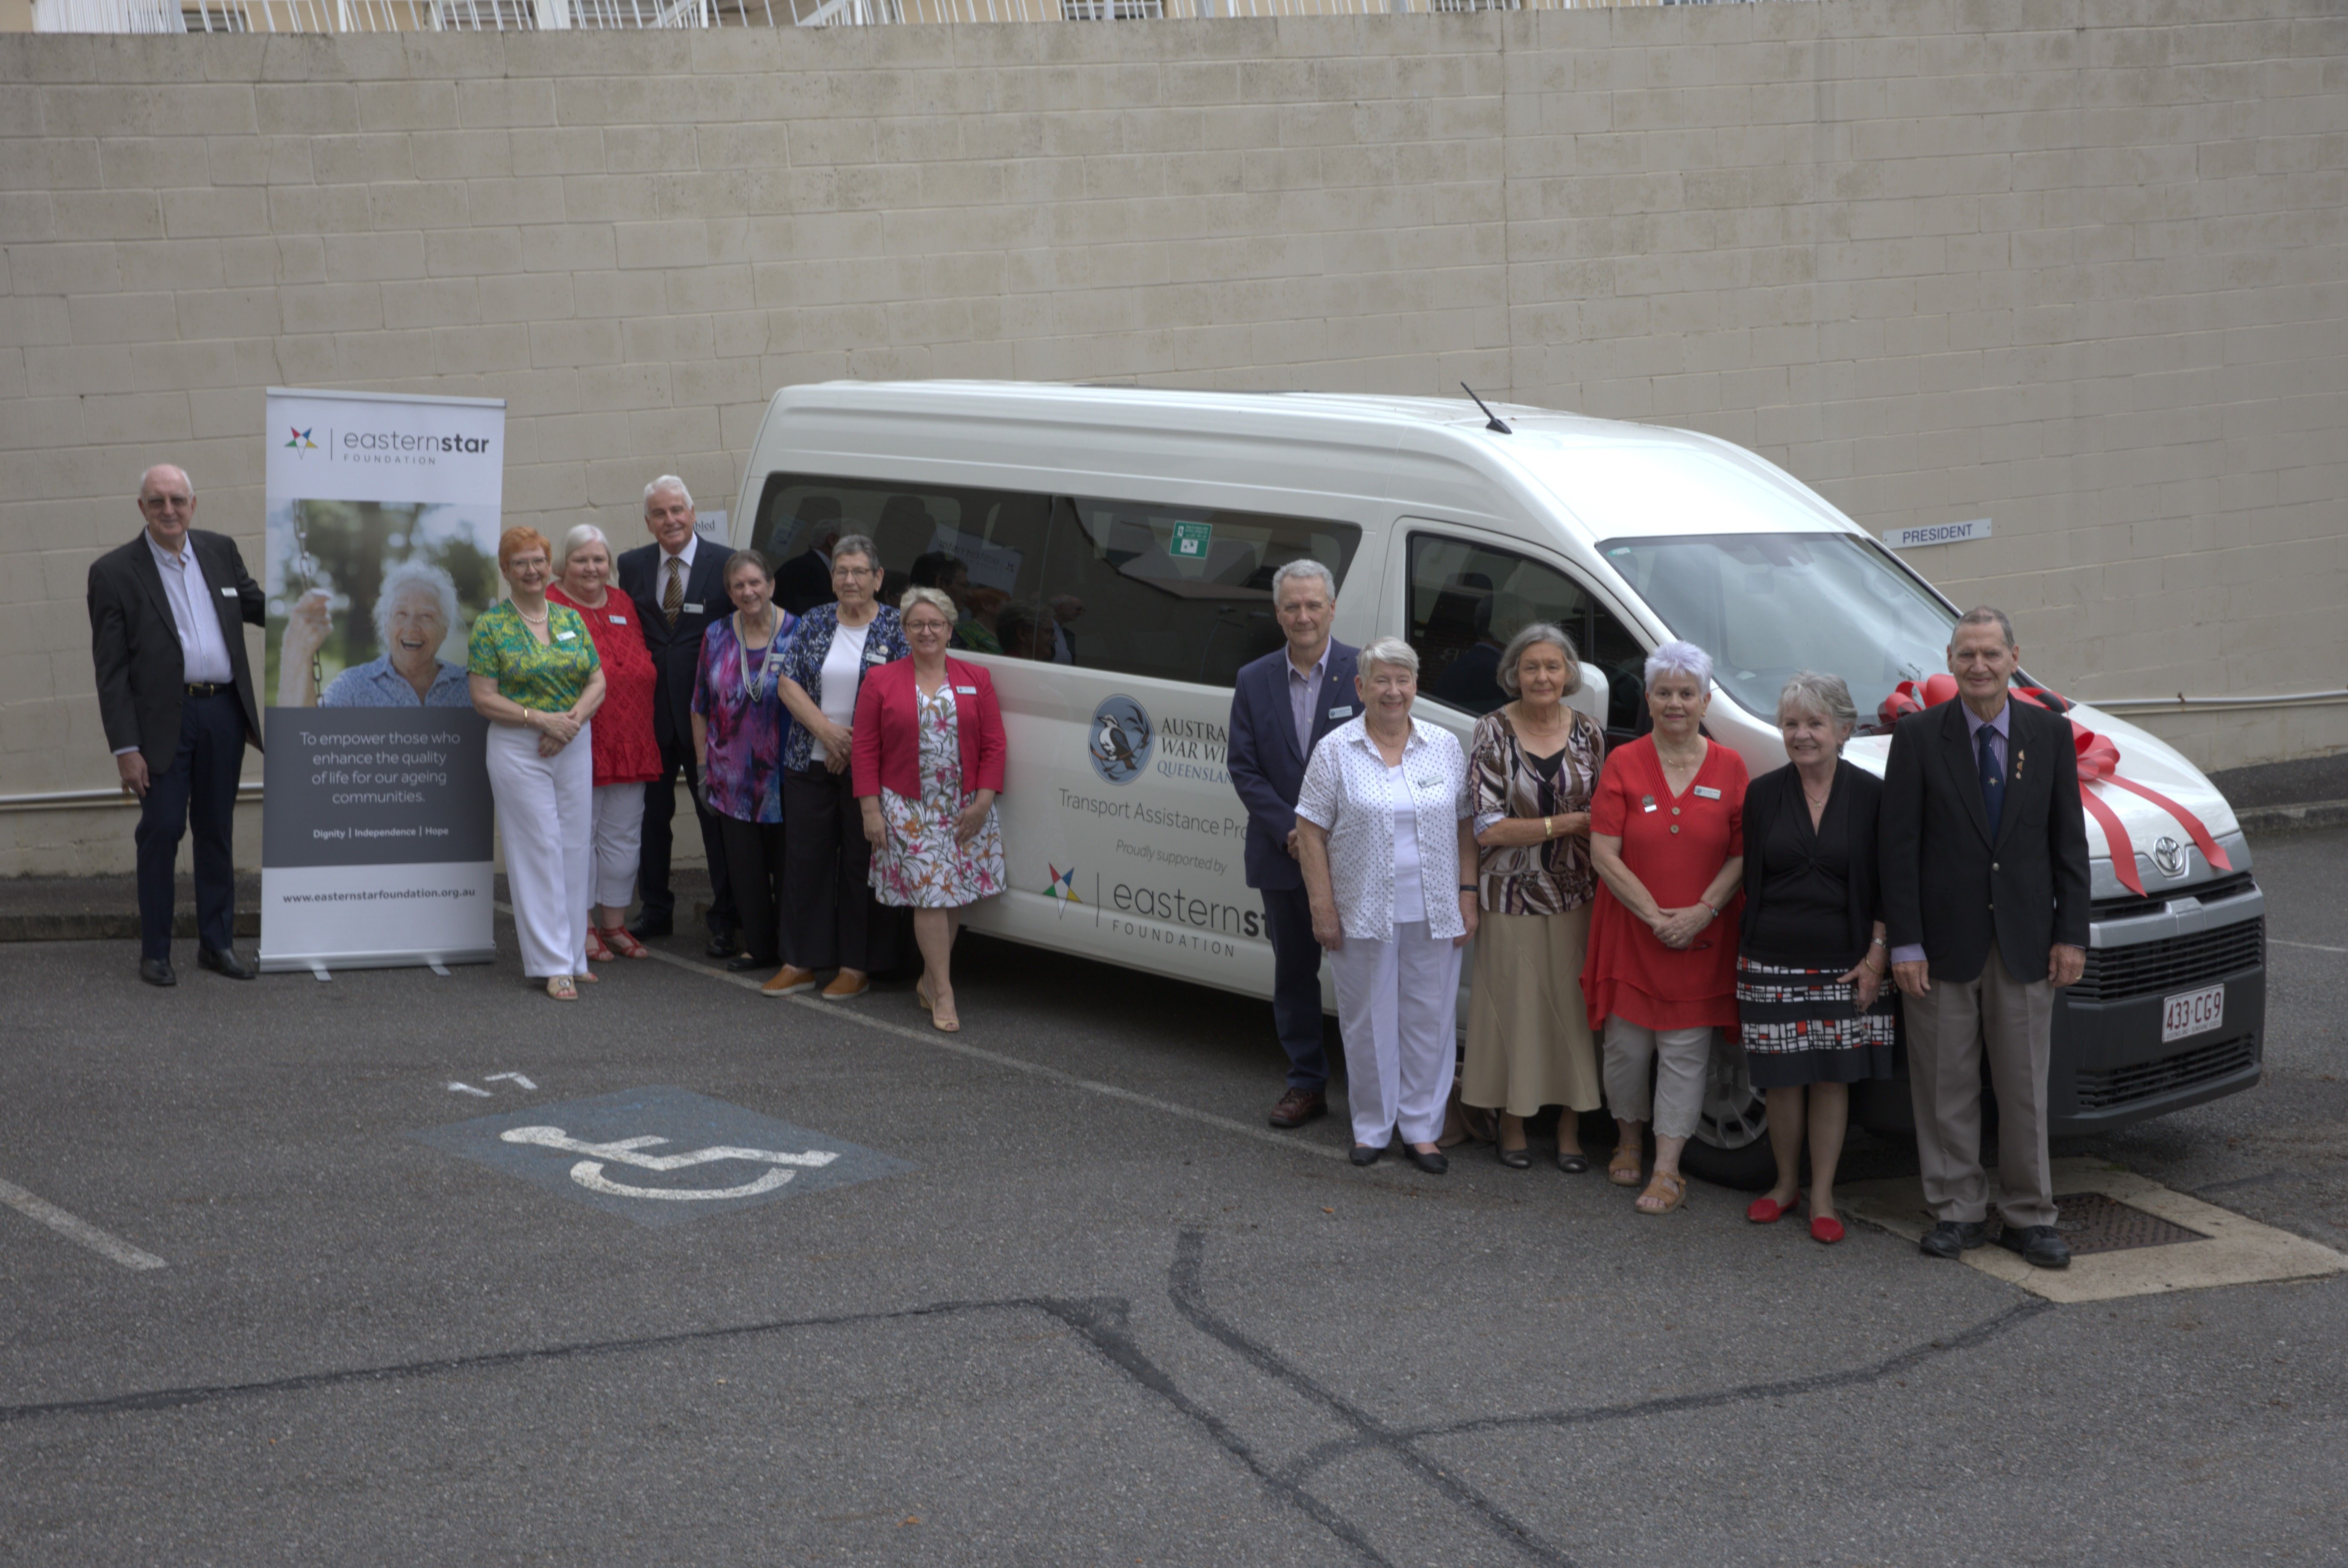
1666	836
626	755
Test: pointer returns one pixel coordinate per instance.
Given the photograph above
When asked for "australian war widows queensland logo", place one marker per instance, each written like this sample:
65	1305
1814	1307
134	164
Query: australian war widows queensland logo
1120	740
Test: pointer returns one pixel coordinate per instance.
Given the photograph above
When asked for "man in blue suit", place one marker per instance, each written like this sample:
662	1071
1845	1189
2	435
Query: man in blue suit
1281	706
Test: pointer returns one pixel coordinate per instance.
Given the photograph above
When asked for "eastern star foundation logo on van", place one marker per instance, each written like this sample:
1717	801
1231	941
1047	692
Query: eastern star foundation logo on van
1062	885
1120	739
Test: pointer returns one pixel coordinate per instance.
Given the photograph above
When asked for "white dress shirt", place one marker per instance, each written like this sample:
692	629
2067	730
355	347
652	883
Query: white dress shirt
1349	793
203	652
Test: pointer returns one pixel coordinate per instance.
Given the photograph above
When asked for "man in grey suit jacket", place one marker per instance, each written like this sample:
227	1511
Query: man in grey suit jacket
1983	849
167	618
1281	705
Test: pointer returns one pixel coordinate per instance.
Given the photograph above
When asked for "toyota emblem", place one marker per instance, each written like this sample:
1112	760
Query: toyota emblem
2168	855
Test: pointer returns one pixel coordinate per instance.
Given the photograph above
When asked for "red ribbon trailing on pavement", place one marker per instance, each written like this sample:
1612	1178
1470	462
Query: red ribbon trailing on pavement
2100	761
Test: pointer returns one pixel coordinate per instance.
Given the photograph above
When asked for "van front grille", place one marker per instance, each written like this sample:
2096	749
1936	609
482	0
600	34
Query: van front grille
2150	1081
2153	904
2172	963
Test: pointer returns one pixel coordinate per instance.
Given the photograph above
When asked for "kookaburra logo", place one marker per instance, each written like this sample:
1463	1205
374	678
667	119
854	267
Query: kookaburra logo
1121	739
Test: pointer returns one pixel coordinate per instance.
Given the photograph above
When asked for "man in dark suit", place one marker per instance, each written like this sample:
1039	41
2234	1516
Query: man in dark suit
805	580
679	588
1984	876
1281	706
167	618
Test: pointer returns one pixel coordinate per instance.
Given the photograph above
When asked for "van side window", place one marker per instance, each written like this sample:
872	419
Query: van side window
1467	600
984	547
1178	593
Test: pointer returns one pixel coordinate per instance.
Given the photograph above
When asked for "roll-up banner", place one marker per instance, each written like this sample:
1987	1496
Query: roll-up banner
383	520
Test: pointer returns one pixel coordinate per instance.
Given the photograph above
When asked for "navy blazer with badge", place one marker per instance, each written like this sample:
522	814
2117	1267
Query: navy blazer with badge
142	683
1265	765
675	650
1945	885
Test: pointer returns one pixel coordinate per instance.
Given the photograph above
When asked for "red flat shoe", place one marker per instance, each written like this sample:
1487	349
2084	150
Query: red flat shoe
623	944
596	952
1768	1211
1826	1228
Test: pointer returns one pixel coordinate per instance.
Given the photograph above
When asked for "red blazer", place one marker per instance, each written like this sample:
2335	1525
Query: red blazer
886	749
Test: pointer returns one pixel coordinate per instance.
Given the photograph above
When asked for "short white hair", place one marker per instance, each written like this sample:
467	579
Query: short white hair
408	577
1307	567
1387	651
667	481
585	533
1677	659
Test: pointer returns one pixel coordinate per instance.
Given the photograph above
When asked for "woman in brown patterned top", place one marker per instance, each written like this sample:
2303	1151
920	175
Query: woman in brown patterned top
1531	768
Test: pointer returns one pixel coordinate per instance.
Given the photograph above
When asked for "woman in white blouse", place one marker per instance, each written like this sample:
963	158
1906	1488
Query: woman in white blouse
1384	827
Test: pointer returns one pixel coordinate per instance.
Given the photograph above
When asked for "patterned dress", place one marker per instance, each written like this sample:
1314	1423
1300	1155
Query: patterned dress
747	732
919	865
625	751
546	677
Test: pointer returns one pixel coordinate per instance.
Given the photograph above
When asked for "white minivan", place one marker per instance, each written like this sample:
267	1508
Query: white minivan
1120	542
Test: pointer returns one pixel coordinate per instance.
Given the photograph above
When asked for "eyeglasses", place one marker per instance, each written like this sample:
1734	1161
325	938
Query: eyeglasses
853	571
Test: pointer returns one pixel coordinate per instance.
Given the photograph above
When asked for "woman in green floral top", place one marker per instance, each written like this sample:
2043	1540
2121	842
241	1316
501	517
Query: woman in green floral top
537	678
1531	768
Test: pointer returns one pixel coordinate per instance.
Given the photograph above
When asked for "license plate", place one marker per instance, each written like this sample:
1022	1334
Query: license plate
2190	1013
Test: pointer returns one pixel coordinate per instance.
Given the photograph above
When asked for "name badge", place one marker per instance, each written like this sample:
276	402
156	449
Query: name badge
228	592
1341	712
1646	802
876	656
619	619
967	691
690	608
1429	783
564	636
1706	792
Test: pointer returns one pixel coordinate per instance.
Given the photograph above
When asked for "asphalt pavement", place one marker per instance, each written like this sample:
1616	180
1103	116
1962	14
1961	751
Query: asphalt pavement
1050	1292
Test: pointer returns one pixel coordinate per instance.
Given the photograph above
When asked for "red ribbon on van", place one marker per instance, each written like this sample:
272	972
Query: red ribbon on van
2100	761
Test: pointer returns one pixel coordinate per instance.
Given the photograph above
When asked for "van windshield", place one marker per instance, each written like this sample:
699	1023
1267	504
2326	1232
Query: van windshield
1764	605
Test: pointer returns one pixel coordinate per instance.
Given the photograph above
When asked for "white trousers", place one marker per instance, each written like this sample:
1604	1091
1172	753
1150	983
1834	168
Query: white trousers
1398	1006
618	842
546	819
1682	1060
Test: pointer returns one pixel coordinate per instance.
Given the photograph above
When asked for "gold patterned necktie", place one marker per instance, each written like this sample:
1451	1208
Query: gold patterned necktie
673	596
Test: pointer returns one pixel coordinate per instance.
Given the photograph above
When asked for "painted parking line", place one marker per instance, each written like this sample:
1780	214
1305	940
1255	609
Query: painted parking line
75	1229
2310	946
846	1013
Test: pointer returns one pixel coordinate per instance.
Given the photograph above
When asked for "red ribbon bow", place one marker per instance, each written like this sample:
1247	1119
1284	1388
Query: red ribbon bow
2100	761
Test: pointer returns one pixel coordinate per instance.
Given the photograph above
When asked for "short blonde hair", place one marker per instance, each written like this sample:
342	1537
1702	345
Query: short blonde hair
937	599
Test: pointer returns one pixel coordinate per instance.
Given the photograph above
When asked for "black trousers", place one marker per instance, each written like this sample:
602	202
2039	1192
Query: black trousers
1296	985
198	789
832	918
754	863
651	868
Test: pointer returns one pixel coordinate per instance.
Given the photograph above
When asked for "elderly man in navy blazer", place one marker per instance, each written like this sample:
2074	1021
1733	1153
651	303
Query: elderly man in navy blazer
1282	705
167	618
679	588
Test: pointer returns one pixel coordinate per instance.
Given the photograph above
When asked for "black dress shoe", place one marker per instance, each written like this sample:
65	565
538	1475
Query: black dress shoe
651	927
1953	1239
2040	1247
1434	1164
1299	1106
157	972
724	944
745	963
224	961
1363	1153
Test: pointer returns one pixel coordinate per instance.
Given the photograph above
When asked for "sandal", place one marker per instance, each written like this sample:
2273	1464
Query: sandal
559	987
1667	1188
621	941
596	952
1625	1168
921	995
947	1021
588	977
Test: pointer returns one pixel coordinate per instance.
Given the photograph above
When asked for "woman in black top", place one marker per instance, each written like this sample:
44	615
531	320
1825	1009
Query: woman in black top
1811	1005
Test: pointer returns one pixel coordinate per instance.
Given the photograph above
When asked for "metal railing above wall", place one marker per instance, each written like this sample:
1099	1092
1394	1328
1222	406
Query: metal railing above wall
536	15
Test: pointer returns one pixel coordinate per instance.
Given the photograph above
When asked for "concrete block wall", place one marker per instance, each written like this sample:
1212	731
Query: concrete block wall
2077	266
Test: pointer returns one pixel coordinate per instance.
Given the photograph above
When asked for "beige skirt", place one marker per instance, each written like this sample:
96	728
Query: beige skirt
1528	1042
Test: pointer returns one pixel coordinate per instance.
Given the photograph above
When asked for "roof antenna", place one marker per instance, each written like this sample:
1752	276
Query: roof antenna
1491	420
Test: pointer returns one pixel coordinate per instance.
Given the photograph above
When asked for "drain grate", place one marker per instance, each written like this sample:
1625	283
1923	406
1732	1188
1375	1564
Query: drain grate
2092	1223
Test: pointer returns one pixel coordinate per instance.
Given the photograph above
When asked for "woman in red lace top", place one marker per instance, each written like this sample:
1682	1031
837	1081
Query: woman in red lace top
626	755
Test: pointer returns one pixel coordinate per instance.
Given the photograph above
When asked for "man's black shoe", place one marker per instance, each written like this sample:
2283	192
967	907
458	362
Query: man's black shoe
224	961
2040	1247
650	927
157	972
724	943
747	963
1950	1238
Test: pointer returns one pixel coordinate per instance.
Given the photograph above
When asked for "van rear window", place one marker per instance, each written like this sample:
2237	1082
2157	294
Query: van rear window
1132	587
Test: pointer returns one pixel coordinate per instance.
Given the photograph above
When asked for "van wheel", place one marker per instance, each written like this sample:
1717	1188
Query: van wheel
1730	1146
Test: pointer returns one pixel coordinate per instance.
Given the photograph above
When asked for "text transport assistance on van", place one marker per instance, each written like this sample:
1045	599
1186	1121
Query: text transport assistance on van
1132	534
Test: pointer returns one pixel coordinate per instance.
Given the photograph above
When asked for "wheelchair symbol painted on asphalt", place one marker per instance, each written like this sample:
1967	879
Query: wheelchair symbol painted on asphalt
589	1174
660	1156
